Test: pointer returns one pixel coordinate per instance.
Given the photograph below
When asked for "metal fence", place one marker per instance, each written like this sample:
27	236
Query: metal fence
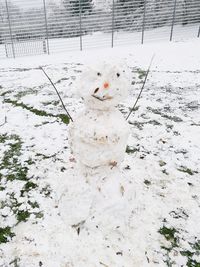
45	26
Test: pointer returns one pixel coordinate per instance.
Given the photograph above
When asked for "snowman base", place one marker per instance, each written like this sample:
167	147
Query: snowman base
88	200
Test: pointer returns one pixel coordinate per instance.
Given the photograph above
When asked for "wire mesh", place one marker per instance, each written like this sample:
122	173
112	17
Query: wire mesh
48	26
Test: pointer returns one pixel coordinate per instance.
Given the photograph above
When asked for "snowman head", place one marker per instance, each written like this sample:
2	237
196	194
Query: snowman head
103	86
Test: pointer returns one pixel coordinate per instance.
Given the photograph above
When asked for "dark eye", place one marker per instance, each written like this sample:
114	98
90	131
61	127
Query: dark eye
96	90
98	73
118	74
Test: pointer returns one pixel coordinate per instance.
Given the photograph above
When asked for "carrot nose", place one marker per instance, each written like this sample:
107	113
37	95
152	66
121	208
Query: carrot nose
106	85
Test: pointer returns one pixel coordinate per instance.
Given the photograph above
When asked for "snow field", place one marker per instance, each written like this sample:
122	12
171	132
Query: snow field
145	213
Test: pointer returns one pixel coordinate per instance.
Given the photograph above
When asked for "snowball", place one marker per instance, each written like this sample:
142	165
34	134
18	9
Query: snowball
103	86
99	138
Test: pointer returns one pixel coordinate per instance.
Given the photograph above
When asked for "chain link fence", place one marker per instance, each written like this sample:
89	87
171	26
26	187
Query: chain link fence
45	26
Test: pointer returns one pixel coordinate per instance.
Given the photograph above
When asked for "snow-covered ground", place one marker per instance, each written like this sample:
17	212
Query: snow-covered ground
145	213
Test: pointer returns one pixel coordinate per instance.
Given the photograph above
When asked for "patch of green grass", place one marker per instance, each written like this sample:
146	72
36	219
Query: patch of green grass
6	234
131	150
169	234
5	93
38	215
186	170
27	187
166	116
173	236
61	80
33	204
140	72
22	215
64	118
137	124
20	173
153	122
10	161
30	185
54	103
3	138
46	191
25	92
189	254
162	163
30	161
181	151
11	155
44	156
13	169
193	263
13	202
196	246
179	213
140	125
31	109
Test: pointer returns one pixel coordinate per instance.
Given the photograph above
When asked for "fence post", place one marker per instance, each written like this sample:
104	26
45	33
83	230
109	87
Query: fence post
113	15
143	23
46	26
198	32
10	29
173	19
80	25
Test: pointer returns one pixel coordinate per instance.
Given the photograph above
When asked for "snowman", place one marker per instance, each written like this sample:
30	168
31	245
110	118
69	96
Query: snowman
99	134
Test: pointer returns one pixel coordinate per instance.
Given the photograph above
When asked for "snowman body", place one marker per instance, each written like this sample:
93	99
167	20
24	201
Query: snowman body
99	133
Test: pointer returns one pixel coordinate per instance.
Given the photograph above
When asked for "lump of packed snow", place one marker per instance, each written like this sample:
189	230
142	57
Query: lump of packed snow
99	134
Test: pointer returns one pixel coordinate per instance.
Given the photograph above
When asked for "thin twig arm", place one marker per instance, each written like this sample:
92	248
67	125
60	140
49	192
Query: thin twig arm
147	73
57	93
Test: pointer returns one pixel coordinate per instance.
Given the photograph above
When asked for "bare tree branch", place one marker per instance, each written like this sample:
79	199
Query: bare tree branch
147	73
57	93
